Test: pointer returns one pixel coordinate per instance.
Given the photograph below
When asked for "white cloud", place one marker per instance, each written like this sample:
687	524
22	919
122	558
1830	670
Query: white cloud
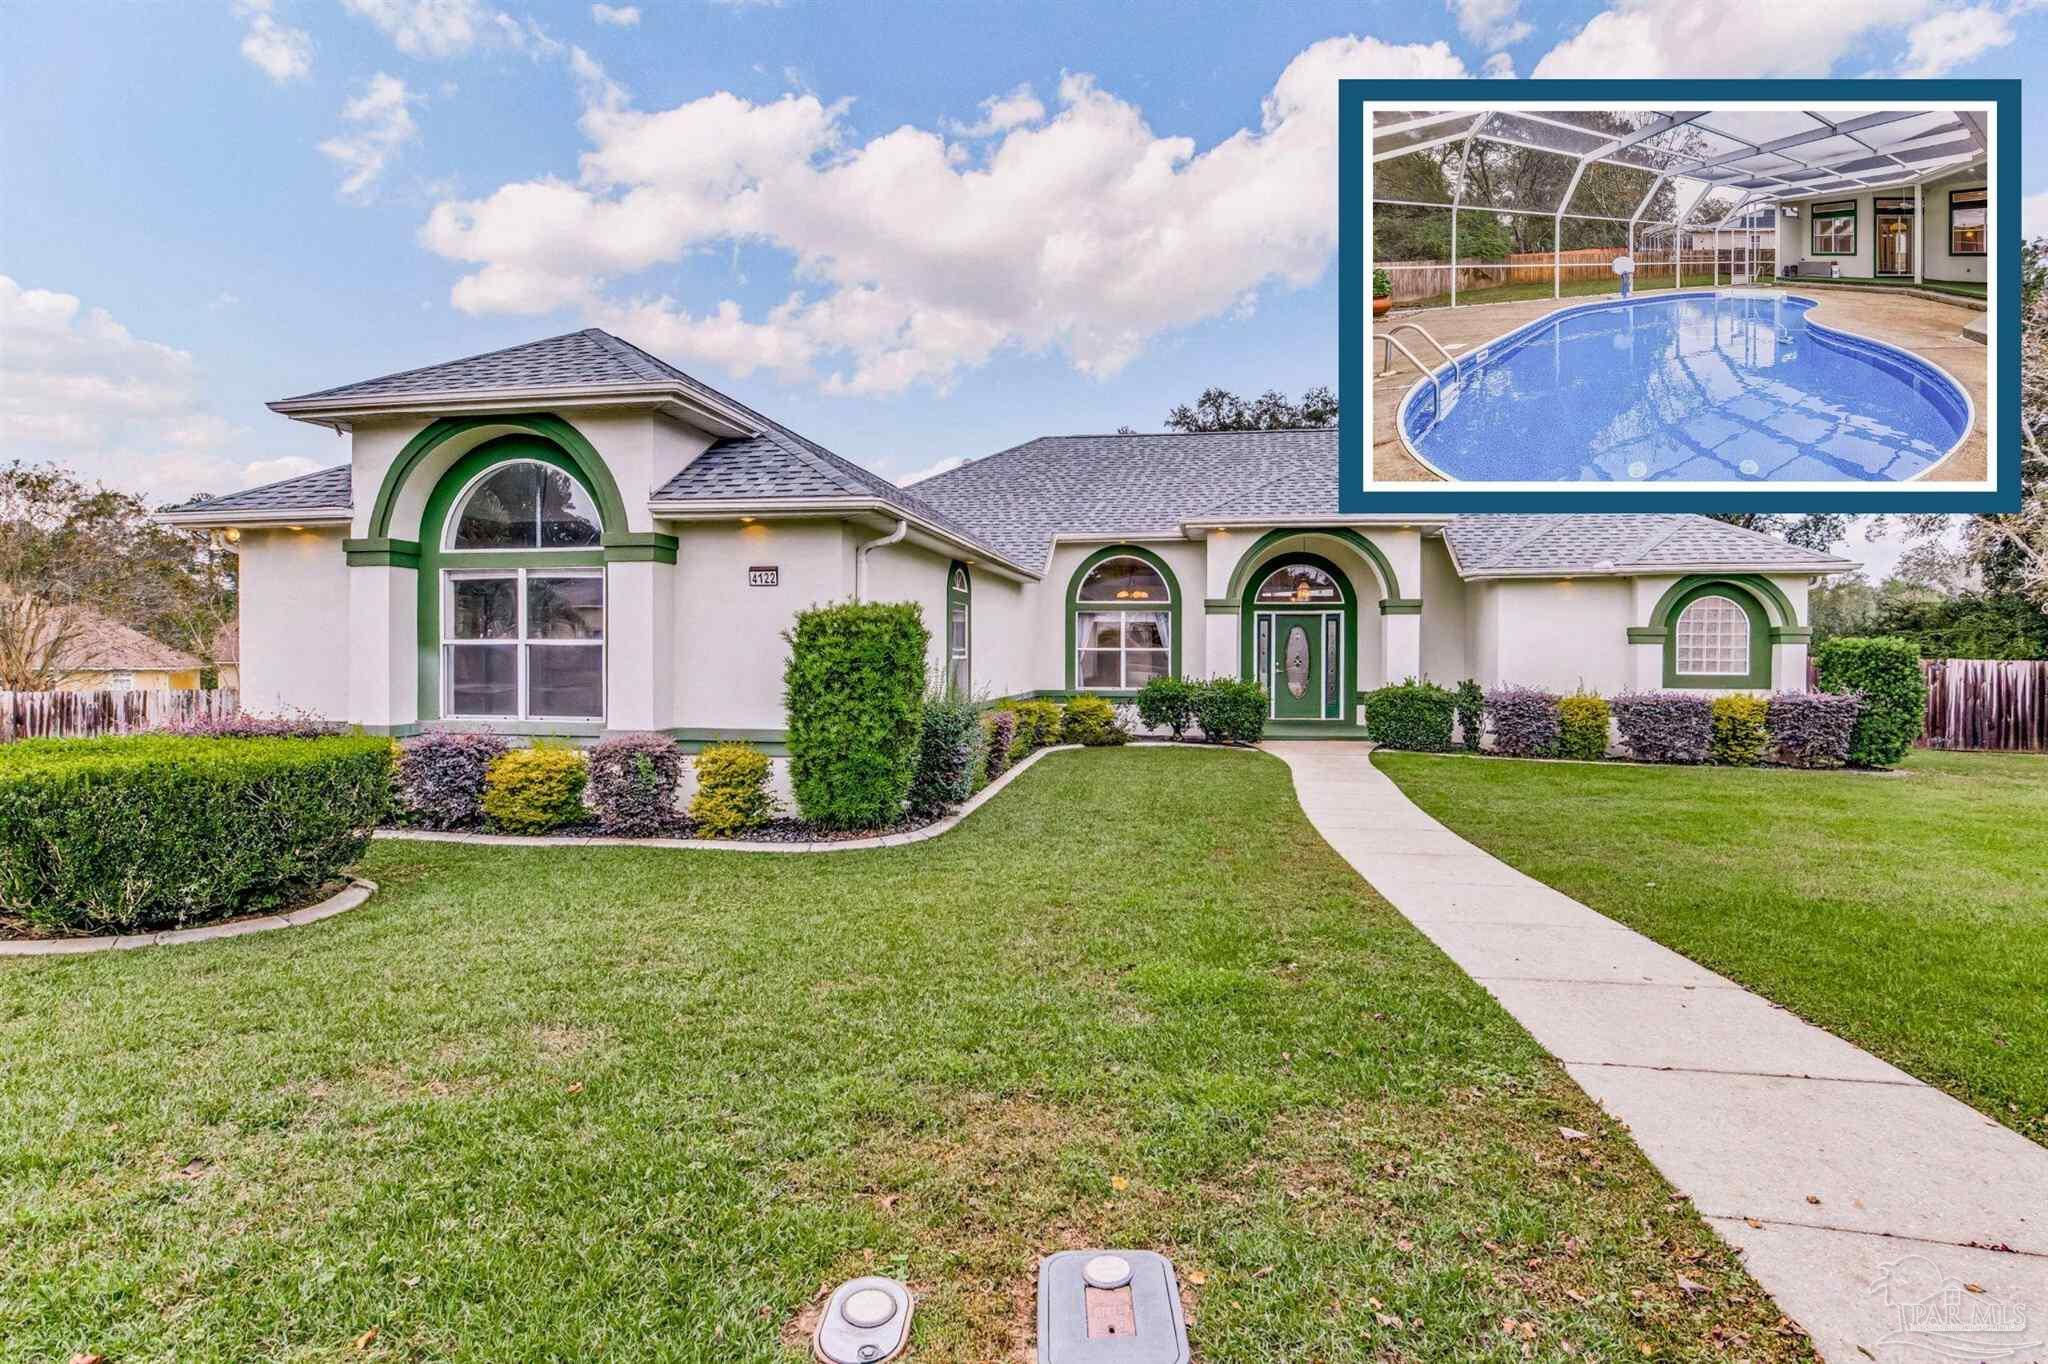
274	470
1942	42
382	126
2034	216
618	16
1653	38
1490	23
78	388
435	29
1500	67
931	470
279	52
1000	113
1084	231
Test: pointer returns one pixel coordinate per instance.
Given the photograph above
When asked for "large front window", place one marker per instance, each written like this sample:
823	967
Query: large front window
525	505
1123	631
1834	229
524	644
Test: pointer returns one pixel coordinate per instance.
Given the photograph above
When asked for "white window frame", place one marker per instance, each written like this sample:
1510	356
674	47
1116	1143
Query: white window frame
1161	606
519	640
1678	640
453	524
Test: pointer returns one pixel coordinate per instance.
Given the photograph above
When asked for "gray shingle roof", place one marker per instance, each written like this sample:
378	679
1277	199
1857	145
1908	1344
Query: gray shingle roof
1150	484
326	491
590	358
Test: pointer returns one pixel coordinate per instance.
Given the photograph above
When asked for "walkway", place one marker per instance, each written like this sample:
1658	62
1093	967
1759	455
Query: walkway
1891	1221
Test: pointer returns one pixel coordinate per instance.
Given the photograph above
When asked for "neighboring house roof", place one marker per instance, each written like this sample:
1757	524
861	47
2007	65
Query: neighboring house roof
326	491
1151	485
101	645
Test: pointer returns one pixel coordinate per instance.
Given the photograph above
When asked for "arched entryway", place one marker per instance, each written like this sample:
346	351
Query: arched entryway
1300	620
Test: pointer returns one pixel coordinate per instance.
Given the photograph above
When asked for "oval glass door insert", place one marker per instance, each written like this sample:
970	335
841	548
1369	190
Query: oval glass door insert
1297	660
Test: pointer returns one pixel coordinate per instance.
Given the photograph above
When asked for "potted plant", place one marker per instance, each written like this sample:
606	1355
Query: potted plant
1382	292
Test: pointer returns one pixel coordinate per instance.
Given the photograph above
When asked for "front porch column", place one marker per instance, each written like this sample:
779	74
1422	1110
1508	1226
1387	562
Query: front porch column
1400	641
640	613
1222	628
1646	657
383	632
1788	659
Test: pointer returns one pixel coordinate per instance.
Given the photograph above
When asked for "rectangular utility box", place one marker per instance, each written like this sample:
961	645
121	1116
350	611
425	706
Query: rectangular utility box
1110	1307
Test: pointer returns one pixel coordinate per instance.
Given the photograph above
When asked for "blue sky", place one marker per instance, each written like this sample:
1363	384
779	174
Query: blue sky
914	232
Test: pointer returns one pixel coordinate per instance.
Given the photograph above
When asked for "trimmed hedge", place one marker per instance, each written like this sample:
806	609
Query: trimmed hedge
1230	711
1665	726
633	783
535	790
1471	714
1887	672
441	778
854	691
732	790
1525	721
1167	703
157	831
1739	732
1092	721
948	754
1411	715
1582	720
1812	728
1038	726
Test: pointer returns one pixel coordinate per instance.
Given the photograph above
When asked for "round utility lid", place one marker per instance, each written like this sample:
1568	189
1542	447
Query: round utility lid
1107	1271
868	1308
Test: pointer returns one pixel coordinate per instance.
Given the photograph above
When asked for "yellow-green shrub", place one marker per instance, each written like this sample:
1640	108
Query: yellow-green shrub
1582	726
533	790
1091	720
1740	732
732	791
1038	726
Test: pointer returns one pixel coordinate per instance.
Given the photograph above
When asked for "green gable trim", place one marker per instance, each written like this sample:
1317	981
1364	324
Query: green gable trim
1647	634
1781	634
1759	674
382	552
1400	606
582	459
638	547
1389	583
1664	612
1075	606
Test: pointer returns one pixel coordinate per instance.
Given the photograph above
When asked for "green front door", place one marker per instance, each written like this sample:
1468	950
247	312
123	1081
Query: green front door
1297	681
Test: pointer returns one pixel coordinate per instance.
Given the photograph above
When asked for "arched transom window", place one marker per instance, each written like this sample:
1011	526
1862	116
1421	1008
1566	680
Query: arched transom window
1123	629
525	505
1712	638
1304	584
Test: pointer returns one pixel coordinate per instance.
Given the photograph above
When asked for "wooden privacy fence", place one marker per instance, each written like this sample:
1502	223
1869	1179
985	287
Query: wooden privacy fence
1414	280
1986	703
86	714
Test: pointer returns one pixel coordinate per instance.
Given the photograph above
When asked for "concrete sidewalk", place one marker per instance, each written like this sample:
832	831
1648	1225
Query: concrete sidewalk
1891	1221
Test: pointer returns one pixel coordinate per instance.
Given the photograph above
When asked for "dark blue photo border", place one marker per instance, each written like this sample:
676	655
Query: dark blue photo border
1357	497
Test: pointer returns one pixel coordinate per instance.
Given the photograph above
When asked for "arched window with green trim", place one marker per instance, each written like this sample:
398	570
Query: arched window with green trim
512	590
1123	621
1718	637
959	633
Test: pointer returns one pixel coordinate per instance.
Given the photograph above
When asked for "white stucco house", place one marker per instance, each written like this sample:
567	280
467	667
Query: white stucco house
572	537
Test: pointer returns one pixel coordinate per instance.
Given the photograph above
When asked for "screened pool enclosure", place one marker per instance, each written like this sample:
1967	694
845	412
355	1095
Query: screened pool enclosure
1493	205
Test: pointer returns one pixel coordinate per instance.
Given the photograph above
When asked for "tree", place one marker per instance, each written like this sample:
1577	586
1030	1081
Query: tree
1221	410
1815	531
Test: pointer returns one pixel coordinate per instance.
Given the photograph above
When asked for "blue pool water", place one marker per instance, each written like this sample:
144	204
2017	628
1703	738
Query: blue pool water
1686	387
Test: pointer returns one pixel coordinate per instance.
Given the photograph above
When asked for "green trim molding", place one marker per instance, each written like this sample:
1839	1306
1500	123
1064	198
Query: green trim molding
1248	629
1390	584
1647	634
1665	611
957	597
1075	605
579	457
1781	634
1219	606
638	547
1400	606
382	552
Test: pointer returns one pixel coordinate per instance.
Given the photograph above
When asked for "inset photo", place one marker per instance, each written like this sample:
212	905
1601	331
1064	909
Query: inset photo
1658	294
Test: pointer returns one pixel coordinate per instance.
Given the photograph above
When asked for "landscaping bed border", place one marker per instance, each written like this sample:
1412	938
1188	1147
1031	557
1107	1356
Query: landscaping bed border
352	896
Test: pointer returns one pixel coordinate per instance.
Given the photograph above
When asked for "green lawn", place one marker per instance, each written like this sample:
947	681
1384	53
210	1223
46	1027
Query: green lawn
630	1104
1960	288
1906	912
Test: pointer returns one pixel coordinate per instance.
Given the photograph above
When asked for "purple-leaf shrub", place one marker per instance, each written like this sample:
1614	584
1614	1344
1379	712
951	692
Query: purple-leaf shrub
295	724
1525	721
1812	728
1665	726
441	777
633	783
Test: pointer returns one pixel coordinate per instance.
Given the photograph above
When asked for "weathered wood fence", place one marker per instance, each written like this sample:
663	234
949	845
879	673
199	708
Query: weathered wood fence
86	714
1987	704
1414	280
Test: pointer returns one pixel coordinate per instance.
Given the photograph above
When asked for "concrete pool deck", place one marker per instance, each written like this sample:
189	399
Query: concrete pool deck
1928	328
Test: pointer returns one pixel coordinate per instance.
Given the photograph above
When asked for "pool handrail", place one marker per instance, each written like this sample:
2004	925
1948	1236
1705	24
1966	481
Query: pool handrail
1427	373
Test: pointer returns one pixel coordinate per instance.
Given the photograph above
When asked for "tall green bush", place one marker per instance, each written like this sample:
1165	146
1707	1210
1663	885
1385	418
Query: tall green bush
949	752
853	690
1412	715
1582	721
1887	674
1740	736
1471	714
148	832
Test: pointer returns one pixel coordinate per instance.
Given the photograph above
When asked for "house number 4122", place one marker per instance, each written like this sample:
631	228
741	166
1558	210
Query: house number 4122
763	575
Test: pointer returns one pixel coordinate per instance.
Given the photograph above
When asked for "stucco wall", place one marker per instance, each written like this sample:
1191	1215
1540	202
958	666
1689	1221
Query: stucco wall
295	622
912	573
1446	618
1795	234
1561	634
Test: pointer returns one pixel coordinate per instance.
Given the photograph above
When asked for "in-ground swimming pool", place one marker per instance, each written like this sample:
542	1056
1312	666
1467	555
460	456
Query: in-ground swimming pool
1734	387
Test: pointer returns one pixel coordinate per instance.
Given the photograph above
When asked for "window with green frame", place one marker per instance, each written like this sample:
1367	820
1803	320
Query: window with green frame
1832	229
1719	637
959	633
1123	618
1968	220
